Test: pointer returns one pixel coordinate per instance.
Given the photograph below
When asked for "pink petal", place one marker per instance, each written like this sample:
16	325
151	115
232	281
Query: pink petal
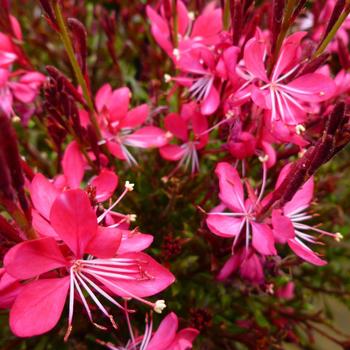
254	54
161	278
224	226
135	117
184	339
251	269
230	59
73	164
43	193
305	253
231	189
288	54
313	87
38	307
116	150
263	240
134	242
211	103
231	265
147	137
207	25
74	220
9	289
33	258
105	184
302	199
42	226
103	97
177	126
172	152
165	333
283	228
183	19
118	103
105	243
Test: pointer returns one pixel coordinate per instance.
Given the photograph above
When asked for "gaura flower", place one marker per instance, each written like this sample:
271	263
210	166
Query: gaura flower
122	127
288	226
165	337
180	126
84	261
286	98
240	221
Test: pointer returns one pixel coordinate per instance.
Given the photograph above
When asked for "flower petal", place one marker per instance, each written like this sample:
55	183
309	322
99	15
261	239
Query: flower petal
165	333
118	104
38	307
43	193
160	278
105	184
135	117
254	54
33	258
263	240
73	164
231	188
305	253
74	220
224	226
172	152
283	228
105	243
177	126
147	137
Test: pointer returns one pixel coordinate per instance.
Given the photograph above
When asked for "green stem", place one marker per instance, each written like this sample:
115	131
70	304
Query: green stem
75	65
288	12
332	32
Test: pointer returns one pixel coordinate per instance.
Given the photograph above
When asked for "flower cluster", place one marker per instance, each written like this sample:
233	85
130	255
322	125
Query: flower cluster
248	99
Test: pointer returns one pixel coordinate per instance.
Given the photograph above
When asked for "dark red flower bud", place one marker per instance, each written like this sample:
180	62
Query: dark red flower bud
337	10
79	36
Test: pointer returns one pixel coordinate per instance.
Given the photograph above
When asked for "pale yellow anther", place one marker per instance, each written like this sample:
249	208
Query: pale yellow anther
201	61
299	129
167	78
129	186
191	15
159	306
168	135
263	158
229	114
16	119
270	288
338	236
176	53
322	93
132	217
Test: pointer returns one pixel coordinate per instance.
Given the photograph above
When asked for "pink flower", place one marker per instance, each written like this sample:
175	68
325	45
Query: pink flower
61	267
287	100
288	226
241	217
165	337
204	31
248	263
180	126
120	126
18	86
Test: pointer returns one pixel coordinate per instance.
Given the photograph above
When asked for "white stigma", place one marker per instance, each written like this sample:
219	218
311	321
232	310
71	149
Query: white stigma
167	78
159	306
176	53
129	186
338	236
263	158
299	129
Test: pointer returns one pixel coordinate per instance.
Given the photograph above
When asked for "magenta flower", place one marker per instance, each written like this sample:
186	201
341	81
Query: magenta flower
240	222
180	126
201	32
85	262
286	98
288	226
120	126
165	337
248	263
